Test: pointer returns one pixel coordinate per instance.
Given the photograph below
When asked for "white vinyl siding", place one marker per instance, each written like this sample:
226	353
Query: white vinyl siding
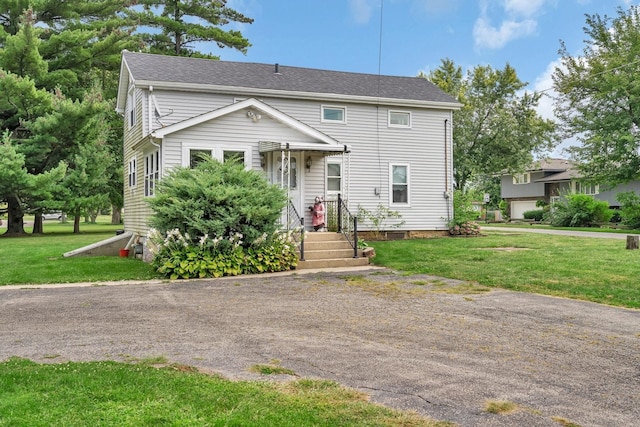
399	119
334	114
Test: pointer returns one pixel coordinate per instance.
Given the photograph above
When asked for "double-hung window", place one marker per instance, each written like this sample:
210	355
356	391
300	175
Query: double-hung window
132	173
333	114
334	177
399	179
197	155
151	172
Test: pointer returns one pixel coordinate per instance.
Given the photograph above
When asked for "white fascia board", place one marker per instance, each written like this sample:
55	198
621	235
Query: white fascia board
123	87
316	96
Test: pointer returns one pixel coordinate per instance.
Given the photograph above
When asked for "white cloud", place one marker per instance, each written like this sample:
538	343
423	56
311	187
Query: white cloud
360	10
486	35
518	20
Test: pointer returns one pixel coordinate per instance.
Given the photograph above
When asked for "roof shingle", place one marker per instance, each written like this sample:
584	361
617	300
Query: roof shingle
174	69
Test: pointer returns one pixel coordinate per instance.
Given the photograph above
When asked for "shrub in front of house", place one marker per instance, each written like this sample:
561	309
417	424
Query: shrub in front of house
579	210
218	219
535	215
217	199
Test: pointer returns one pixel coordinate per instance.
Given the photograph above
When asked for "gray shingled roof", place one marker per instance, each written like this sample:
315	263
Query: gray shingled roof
160	68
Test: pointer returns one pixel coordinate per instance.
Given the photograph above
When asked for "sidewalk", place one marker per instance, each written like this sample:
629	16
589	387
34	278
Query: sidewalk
532	229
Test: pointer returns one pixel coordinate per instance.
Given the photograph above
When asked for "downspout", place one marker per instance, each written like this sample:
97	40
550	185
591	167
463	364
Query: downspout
447	193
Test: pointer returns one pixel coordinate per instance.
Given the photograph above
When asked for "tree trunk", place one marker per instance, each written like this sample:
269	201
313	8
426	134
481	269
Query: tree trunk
37	224
76	224
15	221
633	242
116	215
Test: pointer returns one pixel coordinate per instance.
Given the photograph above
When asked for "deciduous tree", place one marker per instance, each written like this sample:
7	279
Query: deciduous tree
497	127
599	97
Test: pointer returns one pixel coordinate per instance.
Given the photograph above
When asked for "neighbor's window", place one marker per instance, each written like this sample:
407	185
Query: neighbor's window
151	172
400	119
399	177
522	178
233	156
584	188
132	172
334	114
334	177
197	155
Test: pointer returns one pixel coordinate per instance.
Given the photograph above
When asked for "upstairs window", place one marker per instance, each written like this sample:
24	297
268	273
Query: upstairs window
400	119
151	173
332	114
522	178
132	173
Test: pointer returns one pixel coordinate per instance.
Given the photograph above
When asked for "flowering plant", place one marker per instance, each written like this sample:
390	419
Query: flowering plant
179	256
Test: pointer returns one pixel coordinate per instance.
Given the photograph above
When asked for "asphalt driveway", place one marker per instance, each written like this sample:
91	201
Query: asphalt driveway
439	347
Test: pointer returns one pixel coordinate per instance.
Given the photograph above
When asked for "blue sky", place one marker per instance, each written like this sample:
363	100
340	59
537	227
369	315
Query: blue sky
344	35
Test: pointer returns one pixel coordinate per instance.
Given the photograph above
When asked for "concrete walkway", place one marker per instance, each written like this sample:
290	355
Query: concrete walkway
576	233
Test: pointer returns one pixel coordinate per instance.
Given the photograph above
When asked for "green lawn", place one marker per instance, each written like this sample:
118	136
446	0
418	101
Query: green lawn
120	394
38	259
592	269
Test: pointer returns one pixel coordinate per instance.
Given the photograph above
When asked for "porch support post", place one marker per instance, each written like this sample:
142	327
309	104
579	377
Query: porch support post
339	213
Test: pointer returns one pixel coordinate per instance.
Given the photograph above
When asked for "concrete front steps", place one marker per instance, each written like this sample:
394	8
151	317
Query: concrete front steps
329	250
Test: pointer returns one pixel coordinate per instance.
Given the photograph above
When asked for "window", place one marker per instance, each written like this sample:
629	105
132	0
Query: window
399	119
151	172
334	114
131	106
197	155
399	177
585	188
132	172
522	178
334	177
233	156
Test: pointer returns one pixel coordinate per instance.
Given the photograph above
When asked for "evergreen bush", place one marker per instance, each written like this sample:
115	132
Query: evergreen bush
217	199
536	214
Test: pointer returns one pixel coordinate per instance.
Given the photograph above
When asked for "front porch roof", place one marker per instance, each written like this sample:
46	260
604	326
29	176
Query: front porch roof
325	149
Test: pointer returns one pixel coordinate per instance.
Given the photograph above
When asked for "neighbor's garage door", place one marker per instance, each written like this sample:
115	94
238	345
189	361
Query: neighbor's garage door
518	208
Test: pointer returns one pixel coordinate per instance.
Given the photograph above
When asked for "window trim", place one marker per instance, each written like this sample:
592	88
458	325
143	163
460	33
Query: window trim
408	184
522	178
339	177
333	107
393	125
133	172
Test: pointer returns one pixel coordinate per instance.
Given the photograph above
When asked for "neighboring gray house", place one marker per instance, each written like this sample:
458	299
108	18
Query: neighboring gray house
374	139
548	180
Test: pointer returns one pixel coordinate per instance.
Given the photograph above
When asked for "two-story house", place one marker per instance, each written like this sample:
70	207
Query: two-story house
373	139
547	180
